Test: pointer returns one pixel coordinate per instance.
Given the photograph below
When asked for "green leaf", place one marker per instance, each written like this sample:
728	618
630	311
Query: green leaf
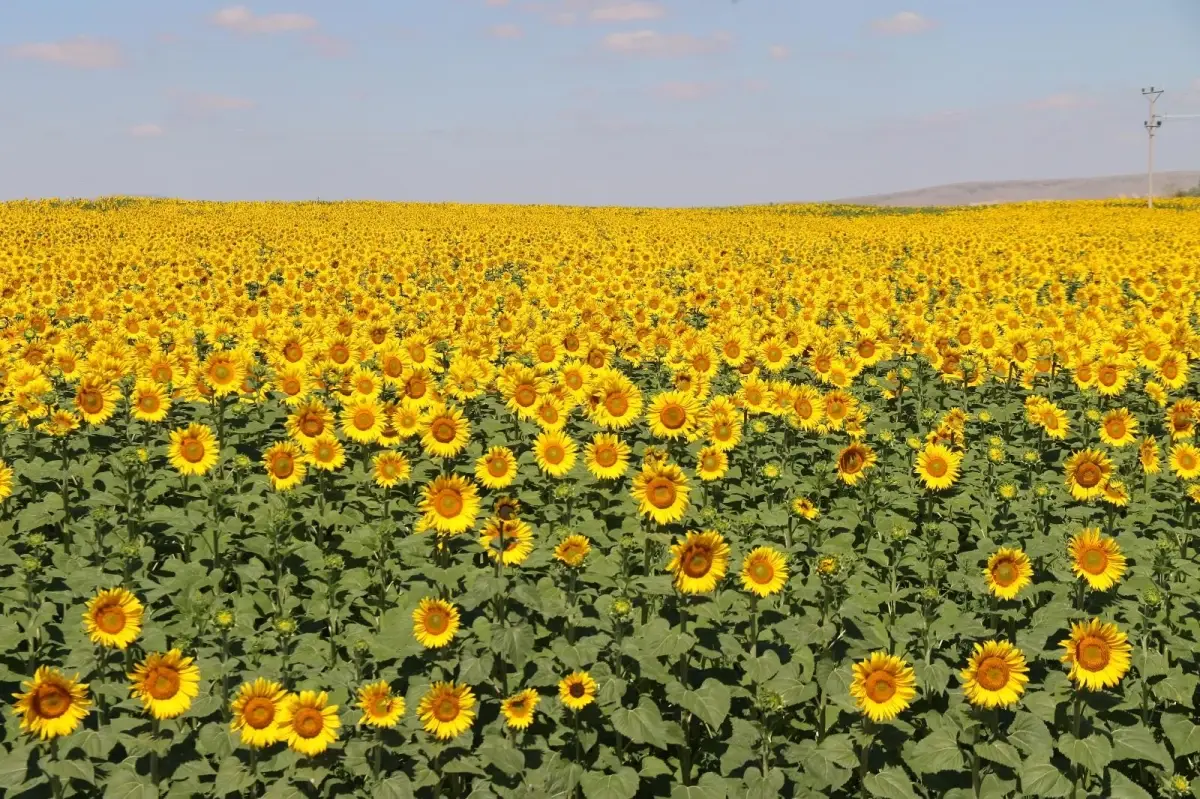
14	766
642	725
1030	734
1000	752
764	786
124	783
622	785
935	752
709	786
231	777
503	755
1040	778
1093	753
710	702
395	787
81	770
282	789
1178	687
1137	743
890	783
1121	787
1182	733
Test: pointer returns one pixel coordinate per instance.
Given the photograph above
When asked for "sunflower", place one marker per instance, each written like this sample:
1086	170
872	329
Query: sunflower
518	540
607	456
96	399
805	508
937	466
995	675
550	413
699	561
256	712
1148	456
764	571
883	686
309	421
445	431
573	549
1115	493
285	465
555	453
1086	473
853	462
224	372
1007	572
711	464
1098	654
673	414
1185	461
363	420
435	621
1118	428
507	508
326	453
661	491
166	683
52	704
518	709
449	504
380	707
446	710
308	722
496	468
577	690
1096	558
193	449
113	618
148	402
6	480
290	380
615	402
808	407
390	468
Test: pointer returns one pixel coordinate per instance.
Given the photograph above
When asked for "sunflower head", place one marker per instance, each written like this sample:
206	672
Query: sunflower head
113	618
380	707
699	561
764	571
447	710
1098	654
883	686
52	704
519	708
577	690
995	675
1007	572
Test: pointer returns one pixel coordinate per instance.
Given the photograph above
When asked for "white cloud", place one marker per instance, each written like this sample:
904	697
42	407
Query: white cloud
627	12
1062	100
146	131
82	52
686	90
778	51
243	20
197	104
664	45
506	31
904	23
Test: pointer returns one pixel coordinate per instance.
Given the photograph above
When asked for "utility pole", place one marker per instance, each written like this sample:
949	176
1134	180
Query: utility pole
1152	124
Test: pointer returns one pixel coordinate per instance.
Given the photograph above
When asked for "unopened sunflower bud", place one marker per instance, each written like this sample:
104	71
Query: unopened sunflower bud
562	491
769	700
361	648
1041	490
759	427
985	417
1093	415
899	533
1030	456
1165	546
241	462
621	608
285	627
771	471
35	540
334	563
931	594
131	549
224	619
30	565
1152	597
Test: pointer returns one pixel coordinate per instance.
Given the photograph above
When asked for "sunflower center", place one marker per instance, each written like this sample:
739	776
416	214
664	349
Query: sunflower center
416	388
804	408
221	373
836	410
554	454
259	712
992	674
388	469
161	373
417	353
364	419
595	359
1005	573
162	683
577	690
673	417
290	386
308	722
1170	370
1088	475
937	467
444	431
754	396
762	573
284	466
545	353
1094	561
851	462
866	349
436	621
574	381
293	352
525	396
1187	460
701	363
449	504
661	493
91	401
111	619
722	431
324	453
1092	653
51	701
497	467
549	414
148	403
506	512
381	706
339	353
732	349
711	462
312	425
697	563
1020	353
881	686
616	405
1115	428
606	456
445	709
1108	375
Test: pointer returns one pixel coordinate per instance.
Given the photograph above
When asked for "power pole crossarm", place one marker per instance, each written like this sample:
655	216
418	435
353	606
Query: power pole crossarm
1152	124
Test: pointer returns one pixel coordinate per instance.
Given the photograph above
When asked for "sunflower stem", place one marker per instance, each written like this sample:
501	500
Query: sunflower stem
864	754
1077	771
377	756
55	782
754	625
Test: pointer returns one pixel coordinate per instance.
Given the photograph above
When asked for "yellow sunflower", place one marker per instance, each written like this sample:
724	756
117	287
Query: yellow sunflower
447	710
166	683
390	468
699	561
1185	461
673	414
555	453
518	709
577	690
52	704
518	540
284	462
573	549
256	712
853	462
1007	572
380	707
148	402
1148	456
326	453
445	431
614	401
764	571
96	399
1086	473
435	621
661	491
309	421
363	420
711	464
193	449
6	480
938	466
883	686
1118	428
607	456
1096	558
1098	654
308	722
496	468
449	504
995	675
224	372
113	618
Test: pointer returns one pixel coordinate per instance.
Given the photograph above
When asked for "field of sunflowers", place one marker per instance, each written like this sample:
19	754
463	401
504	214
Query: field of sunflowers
376	500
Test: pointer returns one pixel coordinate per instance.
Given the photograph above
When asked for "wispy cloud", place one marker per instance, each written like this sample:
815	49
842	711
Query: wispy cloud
632	11
600	12
778	51
904	23
506	31
1062	100
147	131
653	44
242	20
686	90
82	52
196	105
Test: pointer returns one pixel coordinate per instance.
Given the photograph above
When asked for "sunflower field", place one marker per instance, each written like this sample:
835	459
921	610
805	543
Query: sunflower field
380	500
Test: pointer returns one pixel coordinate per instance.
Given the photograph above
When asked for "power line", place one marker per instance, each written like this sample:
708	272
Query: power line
1152	125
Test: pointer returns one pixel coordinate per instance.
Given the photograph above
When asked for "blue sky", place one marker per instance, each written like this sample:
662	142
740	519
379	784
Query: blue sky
625	102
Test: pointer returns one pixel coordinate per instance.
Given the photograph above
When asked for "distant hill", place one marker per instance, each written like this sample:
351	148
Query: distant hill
1011	191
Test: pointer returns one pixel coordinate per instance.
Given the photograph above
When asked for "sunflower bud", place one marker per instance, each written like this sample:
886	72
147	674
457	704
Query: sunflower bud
131	549
1165	545
100	514
35	541
887	436
334	563
224	619
143	455
241	462
30	565
771	471
913	442
931	594
1030	456
621	608
562	491
985	417
768	700
828	566
1179	785
1152	597
1041	490
906	373
1093	415
759	427
928	414
708	514
1007	491
285	627
361	648
996	455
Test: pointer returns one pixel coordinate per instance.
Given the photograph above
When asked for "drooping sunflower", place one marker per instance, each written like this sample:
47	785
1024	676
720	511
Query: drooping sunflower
577	690
517	536
853	462
435	622
699	561
496	468
445	431
166	683
309	421
447	710
308	722
1096	558
363	420
1098	654
661	491
573	549
449	504
52	704
256	710
518	709
607	456
113	618
96	399
711	464
555	453
764	571
673	414
148	402
938	466
380	707
883	686
284	462
1148	456
193	449
1086	473
1185	461
325	452
1118	428
1007	572
995	675
391	468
